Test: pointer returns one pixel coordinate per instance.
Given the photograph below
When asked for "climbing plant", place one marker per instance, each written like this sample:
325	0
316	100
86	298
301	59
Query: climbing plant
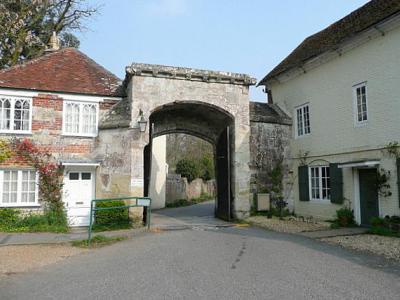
382	179
393	149
50	173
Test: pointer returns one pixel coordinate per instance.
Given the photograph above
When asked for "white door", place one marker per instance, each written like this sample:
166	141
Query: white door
78	193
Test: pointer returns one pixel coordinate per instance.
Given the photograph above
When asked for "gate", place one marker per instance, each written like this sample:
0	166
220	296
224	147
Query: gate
223	172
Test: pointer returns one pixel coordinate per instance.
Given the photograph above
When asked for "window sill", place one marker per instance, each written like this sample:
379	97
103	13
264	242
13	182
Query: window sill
20	205
320	201
302	136
79	135
360	124
15	132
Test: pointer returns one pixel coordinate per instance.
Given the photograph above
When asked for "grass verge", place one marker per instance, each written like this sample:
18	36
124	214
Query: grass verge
98	241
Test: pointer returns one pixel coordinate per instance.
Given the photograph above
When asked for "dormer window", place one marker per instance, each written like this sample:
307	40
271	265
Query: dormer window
80	118
15	114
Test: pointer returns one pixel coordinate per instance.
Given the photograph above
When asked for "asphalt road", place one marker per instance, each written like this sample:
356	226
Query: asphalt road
202	261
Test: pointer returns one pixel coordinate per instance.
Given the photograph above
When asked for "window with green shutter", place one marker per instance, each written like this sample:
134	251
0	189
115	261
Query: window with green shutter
336	184
303	184
320	187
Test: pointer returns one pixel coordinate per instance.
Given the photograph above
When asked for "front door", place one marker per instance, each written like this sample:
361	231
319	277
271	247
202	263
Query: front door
78	192
369	206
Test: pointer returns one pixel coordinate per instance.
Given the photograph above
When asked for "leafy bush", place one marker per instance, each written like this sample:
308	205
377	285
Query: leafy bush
112	216
377	221
344	218
388	226
187	168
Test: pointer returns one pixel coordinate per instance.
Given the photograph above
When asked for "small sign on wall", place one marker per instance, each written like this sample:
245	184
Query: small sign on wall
143	202
137	182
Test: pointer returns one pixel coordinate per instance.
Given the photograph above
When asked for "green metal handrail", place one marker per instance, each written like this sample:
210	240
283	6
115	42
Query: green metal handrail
139	202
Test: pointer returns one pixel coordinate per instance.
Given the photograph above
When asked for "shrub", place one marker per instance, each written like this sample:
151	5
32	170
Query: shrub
344	218
388	226
377	221
187	168
112	216
394	219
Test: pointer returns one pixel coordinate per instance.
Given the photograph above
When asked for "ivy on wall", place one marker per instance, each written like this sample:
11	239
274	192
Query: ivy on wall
5	151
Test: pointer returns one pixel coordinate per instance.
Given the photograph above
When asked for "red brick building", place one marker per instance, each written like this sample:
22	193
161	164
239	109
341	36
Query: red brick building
56	100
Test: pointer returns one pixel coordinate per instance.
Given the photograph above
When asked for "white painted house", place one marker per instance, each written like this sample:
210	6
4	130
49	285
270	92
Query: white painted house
341	87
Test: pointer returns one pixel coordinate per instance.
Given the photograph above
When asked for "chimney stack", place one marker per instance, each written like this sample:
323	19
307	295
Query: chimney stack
54	43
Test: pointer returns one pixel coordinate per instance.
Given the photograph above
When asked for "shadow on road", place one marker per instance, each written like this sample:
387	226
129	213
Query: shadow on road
195	215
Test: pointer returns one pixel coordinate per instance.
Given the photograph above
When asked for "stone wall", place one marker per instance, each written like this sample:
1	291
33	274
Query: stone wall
47	114
269	147
179	188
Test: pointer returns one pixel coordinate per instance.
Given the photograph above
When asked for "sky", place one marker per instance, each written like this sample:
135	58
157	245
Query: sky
242	36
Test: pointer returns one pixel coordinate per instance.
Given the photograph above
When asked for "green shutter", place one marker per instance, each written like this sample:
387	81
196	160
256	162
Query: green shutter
336	175
304	194
398	177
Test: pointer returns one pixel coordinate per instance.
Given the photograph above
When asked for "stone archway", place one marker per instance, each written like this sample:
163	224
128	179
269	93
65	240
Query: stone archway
211	105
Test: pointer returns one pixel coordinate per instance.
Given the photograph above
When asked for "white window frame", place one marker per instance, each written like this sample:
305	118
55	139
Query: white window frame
80	104
320	199
358	123
303	124
19	190
12	114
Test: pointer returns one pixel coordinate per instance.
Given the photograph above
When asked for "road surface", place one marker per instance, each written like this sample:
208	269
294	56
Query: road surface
195	256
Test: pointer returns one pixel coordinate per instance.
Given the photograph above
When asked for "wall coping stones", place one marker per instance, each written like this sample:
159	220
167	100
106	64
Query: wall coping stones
190	74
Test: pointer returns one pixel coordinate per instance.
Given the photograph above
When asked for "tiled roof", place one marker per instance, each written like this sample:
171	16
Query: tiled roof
331	37
118	116
268	113
67	70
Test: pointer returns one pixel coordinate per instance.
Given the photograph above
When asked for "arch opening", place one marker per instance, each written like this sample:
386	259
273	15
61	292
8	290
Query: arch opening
206	122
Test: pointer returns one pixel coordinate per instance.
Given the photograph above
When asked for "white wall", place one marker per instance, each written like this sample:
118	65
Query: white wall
334	137
329	91
158	172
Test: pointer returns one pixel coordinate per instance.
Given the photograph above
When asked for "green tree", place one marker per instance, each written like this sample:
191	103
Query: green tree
27	25
187	168
206	167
